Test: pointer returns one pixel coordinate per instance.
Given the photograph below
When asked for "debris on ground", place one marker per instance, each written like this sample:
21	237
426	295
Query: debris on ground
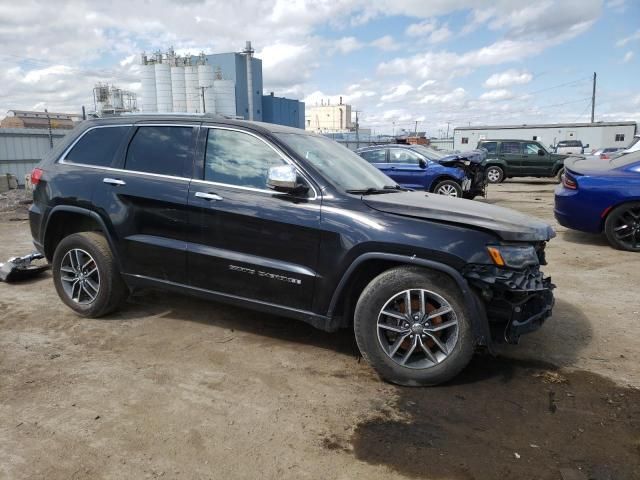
16	202
548	376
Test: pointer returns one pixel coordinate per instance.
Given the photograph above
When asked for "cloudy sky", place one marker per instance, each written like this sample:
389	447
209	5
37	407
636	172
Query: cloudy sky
397	61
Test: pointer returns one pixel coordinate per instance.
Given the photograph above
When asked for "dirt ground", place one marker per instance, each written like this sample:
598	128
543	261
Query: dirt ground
175	387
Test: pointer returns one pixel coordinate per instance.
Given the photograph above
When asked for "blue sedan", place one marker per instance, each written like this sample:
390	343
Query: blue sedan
413	170
602	196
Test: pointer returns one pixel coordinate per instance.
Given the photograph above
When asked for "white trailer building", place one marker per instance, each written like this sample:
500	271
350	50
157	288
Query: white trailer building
596	135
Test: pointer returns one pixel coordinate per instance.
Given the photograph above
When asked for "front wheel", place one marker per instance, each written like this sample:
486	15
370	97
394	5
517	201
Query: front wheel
622	227
448	188
411	326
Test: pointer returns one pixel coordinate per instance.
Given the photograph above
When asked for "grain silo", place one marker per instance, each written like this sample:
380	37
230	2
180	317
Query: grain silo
192	92
178	88
164	97
148	84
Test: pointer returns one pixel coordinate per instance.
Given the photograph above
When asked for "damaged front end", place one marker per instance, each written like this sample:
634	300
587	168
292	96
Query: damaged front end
517	300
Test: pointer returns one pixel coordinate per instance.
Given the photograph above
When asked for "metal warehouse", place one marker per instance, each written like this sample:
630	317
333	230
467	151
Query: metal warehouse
22	148
596	135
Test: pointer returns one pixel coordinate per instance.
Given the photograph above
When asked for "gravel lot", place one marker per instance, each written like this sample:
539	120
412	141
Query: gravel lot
174	387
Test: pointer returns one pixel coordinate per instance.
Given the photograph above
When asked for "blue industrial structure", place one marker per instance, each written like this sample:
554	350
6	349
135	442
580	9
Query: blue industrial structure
283	111
266	108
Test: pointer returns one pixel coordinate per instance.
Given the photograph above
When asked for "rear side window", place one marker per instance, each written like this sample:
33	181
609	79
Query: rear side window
510	147
161	150
491	147
240	159
375	156
404	155
98	146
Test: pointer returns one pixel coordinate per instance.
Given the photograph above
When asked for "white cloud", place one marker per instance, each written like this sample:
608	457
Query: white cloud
397	93
347	44
455	96
508	78
627	57
631	38
386	43
430	30
497	95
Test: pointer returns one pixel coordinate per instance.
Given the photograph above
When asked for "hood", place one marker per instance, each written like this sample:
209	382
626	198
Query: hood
508	224
474	156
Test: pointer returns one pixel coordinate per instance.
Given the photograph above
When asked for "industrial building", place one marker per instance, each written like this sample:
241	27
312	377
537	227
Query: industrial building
229	84
327	118
111	100
28	119
596	135
283	111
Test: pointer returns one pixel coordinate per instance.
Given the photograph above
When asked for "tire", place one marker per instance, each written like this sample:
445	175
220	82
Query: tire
559	174
622	227
386	292
448	188
100	279
495	174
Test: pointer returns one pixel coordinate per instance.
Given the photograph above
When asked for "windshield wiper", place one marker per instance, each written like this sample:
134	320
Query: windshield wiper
376	191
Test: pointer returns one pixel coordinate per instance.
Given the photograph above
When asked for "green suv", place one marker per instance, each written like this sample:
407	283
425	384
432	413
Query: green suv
520	158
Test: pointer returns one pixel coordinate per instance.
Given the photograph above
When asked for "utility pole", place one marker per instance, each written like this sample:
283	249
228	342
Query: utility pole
593	98
415	132
448	129
84	113
357	129
50	132
204	108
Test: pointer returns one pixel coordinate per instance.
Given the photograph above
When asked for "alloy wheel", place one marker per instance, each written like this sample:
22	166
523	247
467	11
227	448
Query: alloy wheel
448	190
627	228
80	276
493	175
417	328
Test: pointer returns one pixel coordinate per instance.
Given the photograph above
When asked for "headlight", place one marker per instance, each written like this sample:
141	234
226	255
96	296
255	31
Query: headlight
514	256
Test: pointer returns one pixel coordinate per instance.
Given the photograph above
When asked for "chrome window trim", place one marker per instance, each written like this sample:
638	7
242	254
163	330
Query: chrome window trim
61	159
68	149
279	152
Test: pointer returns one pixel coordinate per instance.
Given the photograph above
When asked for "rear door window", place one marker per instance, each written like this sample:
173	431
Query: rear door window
375	156
511	147
161	150
98	146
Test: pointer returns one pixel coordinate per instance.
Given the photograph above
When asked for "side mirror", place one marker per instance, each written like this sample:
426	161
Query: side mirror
422	163
541	152
284	178
586	146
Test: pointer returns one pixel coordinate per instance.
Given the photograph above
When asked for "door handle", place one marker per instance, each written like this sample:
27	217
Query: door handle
114	181
208	196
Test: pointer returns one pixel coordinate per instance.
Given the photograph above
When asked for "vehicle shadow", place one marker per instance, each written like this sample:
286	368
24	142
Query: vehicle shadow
558	343
584	238
152	303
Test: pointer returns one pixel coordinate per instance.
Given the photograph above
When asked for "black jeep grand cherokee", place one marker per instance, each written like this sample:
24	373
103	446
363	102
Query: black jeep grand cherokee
287	222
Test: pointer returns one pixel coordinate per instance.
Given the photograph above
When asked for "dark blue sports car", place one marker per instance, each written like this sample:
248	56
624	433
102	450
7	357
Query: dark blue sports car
602	196
422	168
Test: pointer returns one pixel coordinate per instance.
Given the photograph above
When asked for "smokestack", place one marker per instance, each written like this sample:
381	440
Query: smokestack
248	54
340	99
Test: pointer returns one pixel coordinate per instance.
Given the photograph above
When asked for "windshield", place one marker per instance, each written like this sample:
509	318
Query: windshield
339	165
634	141
430	153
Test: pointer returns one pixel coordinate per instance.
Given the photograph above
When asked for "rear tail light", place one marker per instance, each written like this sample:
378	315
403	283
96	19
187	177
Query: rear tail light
604	156
569	182
36	174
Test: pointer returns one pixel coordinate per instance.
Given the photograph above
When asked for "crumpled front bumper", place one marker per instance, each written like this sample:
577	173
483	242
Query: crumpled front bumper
516	301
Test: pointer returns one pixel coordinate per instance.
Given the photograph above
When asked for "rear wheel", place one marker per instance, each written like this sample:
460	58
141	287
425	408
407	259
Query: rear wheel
622	227
411	326
448	188
559	174
495	174
86	276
